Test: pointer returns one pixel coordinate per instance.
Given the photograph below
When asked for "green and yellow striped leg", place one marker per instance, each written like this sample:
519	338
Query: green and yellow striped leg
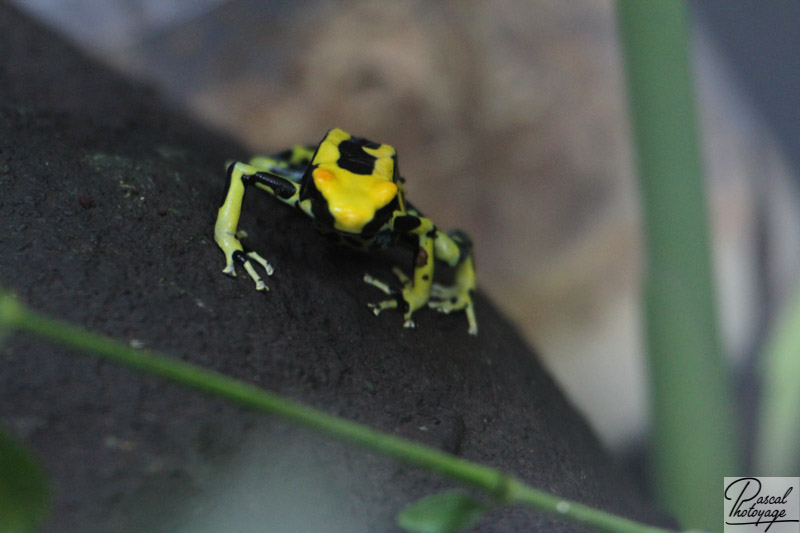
414	293
455	249
226	233
457	297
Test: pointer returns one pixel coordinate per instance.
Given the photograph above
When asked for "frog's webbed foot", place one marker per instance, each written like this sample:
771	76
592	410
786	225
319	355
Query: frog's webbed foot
399	297
230	244
247	260
446	299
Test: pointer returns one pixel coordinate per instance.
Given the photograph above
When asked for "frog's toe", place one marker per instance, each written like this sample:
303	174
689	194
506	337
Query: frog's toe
450	299
378	284
443	296
229	270
450	303
404	280
392	304
444	307
261	261
443	292
380	306
247	259
397	300
260	285
448	306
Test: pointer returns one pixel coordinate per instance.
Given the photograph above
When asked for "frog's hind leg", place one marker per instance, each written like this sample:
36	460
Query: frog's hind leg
226	233
415	292
455	249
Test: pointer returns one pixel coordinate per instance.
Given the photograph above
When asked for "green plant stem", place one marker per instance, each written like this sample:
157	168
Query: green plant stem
504	488
778	437
693	431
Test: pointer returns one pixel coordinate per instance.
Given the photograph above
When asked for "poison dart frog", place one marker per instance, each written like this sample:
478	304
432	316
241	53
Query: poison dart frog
353	191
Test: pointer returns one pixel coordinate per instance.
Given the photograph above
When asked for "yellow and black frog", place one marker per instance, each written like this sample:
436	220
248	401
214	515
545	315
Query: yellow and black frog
352	189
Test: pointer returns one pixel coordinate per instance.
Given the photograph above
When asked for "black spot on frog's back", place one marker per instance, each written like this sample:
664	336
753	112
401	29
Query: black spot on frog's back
352	157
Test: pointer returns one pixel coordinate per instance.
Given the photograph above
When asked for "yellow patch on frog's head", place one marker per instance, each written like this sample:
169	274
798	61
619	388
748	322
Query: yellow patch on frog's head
352	198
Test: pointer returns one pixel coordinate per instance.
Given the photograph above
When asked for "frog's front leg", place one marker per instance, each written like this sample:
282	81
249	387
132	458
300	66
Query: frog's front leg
414	293
226	233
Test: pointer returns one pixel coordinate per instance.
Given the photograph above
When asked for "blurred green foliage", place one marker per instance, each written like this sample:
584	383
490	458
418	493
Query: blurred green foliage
693	435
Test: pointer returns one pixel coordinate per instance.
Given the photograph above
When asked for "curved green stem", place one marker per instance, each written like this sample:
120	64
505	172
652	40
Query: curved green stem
504	488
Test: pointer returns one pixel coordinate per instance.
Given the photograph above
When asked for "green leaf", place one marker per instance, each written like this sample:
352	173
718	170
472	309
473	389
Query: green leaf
441	513
24	496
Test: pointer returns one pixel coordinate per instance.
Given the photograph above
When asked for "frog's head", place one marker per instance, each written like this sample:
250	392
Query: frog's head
358	180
